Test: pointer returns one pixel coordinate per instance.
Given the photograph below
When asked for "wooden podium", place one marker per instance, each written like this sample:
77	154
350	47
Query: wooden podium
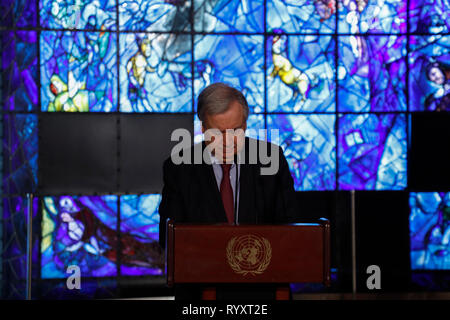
213	254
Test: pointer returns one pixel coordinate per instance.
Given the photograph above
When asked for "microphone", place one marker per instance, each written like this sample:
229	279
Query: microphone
236	186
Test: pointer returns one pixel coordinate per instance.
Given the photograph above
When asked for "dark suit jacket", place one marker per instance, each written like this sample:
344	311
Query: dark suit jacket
190	193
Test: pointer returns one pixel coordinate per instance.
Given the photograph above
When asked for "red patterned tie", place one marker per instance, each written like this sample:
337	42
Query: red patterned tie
226	193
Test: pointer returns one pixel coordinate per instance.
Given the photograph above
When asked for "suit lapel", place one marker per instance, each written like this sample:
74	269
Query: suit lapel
246	190
244	196
212	193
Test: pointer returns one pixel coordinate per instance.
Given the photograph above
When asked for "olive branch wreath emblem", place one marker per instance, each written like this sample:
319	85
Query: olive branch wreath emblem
234	264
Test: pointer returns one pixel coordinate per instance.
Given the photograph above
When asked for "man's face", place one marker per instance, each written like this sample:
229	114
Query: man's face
225	132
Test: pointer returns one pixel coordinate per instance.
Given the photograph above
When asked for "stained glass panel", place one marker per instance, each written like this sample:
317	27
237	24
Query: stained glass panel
228	16
371	73
372	152
14	254
78	14
300	73
309	146
18	13
304	16
154	15
198	136
255	123
155	73
20	153
372	16
79	231
19	91
429	16
429	224
98	288
429	75
78	71
139	226
235	60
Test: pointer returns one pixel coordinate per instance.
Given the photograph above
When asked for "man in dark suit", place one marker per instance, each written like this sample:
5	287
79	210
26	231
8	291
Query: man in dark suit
232	183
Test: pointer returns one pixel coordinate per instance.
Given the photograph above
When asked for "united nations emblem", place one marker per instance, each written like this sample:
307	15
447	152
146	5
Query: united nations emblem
249	254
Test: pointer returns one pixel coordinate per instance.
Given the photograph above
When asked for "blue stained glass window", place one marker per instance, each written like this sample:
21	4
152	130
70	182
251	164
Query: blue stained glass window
370	16
300	73
19	70
429	225
78	14
154	15
198	136
78	71
19	13
232	59
79	231
91	288
372	152
281	53
309	145
20	153
14	255
155	73
306	16
228	16
429	16
371	73
255	123
139	226
429	75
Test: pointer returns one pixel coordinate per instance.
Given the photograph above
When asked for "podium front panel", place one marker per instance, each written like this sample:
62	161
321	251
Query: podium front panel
253	253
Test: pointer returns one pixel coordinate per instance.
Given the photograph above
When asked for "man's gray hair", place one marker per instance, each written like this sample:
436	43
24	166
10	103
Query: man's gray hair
217	97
